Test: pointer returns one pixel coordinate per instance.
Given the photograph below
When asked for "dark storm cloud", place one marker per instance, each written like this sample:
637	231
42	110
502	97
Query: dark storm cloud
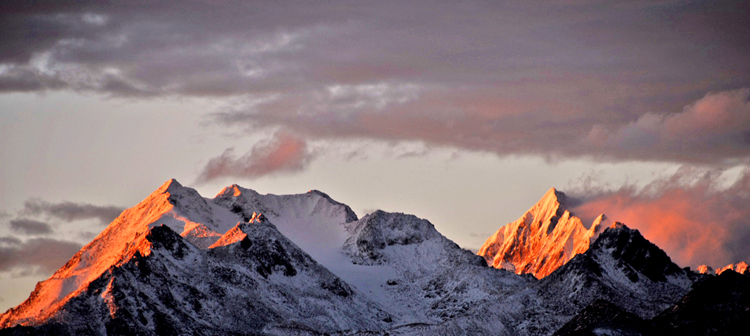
283	153
35	256
692	214
70	211
512	77
30	226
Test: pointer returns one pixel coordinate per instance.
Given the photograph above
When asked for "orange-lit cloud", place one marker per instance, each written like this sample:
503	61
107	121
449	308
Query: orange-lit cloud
282	153
690	215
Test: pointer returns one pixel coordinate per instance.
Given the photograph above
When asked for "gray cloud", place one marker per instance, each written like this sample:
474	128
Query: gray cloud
695	215
30	226
36	256
510	77
713	128
10	241
281	154
70	211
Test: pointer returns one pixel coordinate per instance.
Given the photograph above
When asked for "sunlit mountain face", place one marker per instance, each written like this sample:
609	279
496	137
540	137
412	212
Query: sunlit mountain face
374	168
249	264
542	240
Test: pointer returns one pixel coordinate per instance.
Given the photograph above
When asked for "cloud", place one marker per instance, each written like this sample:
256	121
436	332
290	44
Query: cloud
36	256
284	153
30	226
70	211
716	127
692	214
10	241
553	79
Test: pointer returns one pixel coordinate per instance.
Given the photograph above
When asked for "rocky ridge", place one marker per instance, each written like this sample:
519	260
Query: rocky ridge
308	266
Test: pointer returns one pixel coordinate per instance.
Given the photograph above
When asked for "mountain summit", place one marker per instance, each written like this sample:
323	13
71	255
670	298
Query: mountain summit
546	237
243	263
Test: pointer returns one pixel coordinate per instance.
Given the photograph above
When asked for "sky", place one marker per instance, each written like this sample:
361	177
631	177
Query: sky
463	113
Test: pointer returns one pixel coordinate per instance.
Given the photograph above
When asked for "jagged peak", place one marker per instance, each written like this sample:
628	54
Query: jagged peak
172	191
740	267
233	190
541	240
552	197
257	218
318	192
619	225
170	186
238	232
232	236
599	224
705	269
629	245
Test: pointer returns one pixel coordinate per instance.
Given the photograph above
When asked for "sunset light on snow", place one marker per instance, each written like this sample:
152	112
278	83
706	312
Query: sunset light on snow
519	131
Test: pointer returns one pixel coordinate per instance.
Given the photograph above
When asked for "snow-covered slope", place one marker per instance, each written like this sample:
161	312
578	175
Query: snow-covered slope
718	305
397	260
181	262
543	239
180	208
313	220
621	267
253	280
416	272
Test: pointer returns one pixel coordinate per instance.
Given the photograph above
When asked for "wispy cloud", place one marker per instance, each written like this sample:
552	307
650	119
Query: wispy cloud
35	256
283	153
30	226
71	211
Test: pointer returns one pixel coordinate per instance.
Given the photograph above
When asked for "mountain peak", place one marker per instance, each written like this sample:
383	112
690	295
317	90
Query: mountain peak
170	186
232	190
642	255
552	198
619	225
543	239
740	267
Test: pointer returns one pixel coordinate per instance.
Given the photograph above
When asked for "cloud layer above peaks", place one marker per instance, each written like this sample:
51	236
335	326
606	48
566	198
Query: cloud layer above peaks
638	81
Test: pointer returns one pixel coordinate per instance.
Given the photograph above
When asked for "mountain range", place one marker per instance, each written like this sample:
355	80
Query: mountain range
243	263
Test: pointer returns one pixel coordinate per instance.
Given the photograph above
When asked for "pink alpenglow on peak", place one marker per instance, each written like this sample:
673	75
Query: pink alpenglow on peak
543	239
740	267
180	208
705	269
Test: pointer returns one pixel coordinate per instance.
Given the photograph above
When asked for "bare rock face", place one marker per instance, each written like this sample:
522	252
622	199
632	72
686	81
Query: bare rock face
543	239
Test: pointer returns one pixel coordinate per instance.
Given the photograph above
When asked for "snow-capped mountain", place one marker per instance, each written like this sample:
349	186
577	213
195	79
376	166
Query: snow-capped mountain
543	239
716	306
740	267
243	263
139	275
623	267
